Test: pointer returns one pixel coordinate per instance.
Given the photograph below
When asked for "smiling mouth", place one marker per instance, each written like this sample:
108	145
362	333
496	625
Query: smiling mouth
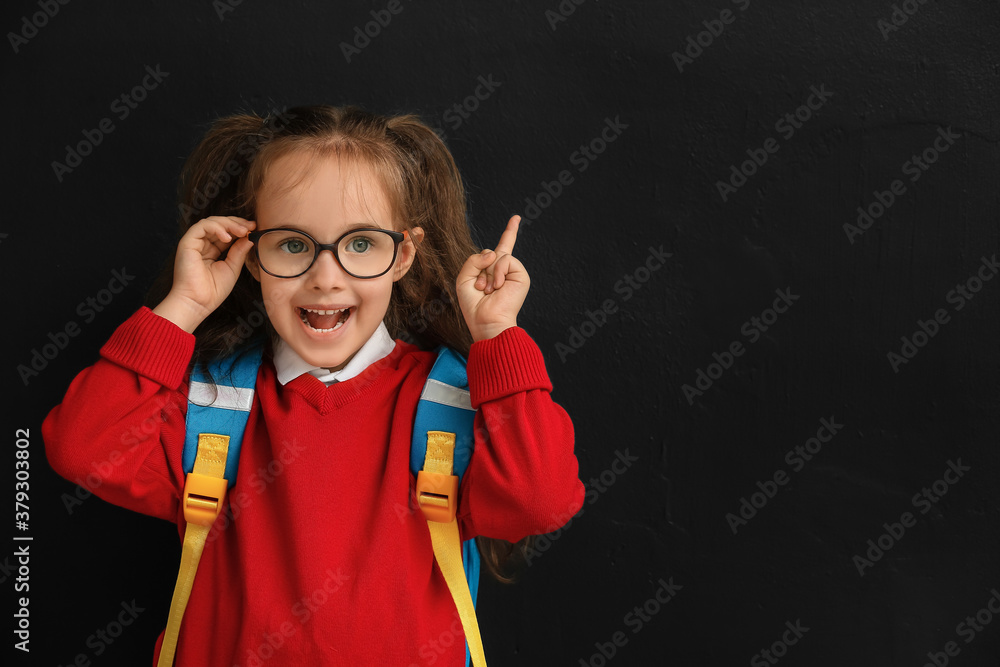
324	321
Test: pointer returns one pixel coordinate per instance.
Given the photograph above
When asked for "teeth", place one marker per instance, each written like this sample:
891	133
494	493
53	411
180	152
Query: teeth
305	320
325	312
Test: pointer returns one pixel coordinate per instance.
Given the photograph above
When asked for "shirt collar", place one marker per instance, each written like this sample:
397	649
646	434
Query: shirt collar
290	365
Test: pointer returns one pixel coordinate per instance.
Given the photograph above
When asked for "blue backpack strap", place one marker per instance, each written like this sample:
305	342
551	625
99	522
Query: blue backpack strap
221	404
445	405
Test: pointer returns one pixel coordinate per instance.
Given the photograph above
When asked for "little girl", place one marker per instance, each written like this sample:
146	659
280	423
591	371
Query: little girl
345	228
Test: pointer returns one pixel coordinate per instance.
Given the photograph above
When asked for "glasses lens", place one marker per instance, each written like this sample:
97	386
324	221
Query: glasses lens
366	252
285	253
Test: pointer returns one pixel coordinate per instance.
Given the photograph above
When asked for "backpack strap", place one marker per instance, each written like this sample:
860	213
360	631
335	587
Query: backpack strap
441	449
216	418
442	445
219	402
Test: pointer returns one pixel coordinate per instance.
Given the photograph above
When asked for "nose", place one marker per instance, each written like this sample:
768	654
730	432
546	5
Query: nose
326	272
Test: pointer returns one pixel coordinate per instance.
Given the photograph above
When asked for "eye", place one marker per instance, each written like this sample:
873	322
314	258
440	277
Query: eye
294	246
359	244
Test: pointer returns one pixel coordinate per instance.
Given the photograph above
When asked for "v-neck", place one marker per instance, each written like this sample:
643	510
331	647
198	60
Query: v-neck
325	398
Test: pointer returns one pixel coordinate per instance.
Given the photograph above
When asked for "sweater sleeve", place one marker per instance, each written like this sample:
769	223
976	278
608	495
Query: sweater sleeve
119	431
523	478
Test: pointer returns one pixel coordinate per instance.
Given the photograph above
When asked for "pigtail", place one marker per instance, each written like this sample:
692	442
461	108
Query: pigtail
427	305
213	182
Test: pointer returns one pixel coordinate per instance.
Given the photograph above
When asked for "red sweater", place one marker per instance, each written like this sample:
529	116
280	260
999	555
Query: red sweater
320	557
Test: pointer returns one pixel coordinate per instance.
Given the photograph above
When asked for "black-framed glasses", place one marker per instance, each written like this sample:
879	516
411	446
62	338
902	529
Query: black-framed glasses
286	252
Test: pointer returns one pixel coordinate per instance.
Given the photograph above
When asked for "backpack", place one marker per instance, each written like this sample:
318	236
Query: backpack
440	451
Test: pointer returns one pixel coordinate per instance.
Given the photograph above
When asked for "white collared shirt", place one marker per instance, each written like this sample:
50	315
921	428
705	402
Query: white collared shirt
290	365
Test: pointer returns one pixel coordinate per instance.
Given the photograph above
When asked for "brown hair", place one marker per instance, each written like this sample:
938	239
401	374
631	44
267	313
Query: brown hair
226	171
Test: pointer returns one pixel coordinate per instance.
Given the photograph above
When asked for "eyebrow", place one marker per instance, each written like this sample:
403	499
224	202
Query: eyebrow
350	226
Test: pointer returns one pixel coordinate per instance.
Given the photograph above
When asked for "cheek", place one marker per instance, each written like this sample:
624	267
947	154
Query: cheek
276	294
378	293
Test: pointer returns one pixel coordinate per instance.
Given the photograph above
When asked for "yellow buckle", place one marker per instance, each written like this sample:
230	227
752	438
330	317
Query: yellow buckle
437	496
203	496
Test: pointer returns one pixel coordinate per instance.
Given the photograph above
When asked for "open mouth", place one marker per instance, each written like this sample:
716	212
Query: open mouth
324	321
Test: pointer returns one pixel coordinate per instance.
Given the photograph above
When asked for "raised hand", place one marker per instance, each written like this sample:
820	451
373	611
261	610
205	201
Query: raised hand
201	281
492	286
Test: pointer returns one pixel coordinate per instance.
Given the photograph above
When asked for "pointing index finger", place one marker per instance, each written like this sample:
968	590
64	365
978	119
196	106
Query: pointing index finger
506	243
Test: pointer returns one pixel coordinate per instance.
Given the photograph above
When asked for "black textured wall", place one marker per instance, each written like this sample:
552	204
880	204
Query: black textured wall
763	250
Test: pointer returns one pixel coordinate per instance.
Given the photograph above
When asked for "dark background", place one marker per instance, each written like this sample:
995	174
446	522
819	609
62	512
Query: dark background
655	185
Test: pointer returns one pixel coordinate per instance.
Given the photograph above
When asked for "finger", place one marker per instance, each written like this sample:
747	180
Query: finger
500	270
506	243
222	231
228	227
236	227
474	265
240	221
200	240
229	220
216	242
495	274
485	258
242	225
485	280
210	231
238	254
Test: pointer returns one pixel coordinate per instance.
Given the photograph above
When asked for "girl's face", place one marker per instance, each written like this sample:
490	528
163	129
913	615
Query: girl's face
326	200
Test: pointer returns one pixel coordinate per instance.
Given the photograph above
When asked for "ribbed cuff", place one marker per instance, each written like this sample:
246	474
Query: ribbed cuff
151	346
508	363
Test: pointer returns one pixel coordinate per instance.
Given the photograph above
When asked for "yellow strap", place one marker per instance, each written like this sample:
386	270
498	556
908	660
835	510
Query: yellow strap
448	547
440	455
445	538
211	462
